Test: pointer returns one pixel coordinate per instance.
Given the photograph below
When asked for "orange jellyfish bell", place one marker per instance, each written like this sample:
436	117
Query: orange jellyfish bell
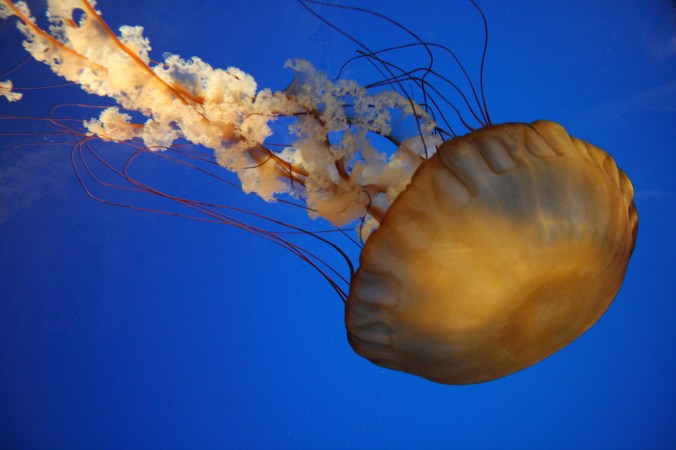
508	244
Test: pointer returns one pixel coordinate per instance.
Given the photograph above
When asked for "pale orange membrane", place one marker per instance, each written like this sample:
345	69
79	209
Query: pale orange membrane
226	111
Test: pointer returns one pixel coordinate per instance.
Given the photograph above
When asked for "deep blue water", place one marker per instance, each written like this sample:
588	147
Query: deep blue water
121	329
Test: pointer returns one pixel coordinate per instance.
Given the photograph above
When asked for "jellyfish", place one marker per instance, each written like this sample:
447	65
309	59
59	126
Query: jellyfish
483	253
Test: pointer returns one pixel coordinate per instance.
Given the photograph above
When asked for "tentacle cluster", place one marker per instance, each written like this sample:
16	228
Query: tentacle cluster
332	164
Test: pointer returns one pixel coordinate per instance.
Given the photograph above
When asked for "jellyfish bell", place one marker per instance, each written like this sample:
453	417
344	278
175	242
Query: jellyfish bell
481	255
508	244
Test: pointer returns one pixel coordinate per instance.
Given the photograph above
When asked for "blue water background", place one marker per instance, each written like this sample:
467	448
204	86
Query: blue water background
120	329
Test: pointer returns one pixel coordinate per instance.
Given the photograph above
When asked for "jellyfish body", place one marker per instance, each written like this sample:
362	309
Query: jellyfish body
507	245
495	252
